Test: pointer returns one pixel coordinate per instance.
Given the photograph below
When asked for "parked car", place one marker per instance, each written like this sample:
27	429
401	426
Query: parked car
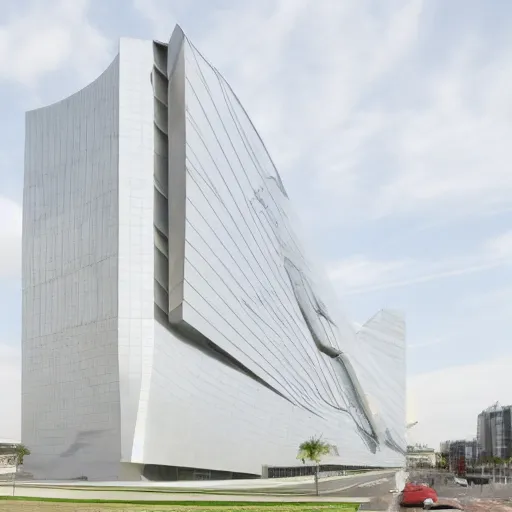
414	495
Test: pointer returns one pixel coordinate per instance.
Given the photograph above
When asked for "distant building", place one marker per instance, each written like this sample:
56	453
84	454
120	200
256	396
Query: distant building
7	447
7	452
444	447
459	454
494	432
421	456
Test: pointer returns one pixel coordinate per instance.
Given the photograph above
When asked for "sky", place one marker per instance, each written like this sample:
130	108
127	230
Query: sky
390	123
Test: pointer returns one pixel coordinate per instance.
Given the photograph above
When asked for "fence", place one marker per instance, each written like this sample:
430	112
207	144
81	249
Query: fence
325	471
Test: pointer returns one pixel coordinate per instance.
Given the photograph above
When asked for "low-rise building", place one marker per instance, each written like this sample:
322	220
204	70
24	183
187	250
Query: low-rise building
459	454
421	456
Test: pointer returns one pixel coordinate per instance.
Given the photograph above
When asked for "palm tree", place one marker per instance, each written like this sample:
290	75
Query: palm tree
21	452
313	450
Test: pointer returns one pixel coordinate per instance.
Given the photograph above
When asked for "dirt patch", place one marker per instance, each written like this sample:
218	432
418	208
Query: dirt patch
38	506
488	505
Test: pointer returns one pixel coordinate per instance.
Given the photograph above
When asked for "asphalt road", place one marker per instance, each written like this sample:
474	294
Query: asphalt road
374	486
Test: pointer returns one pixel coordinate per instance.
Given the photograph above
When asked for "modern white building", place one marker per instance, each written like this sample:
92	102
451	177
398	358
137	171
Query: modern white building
172	322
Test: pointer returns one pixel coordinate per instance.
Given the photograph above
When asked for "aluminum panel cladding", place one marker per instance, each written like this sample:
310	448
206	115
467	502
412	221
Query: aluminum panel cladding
239	275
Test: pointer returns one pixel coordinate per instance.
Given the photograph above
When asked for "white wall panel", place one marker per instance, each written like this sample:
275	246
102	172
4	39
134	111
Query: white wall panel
136	245
213	416
247	284
70	389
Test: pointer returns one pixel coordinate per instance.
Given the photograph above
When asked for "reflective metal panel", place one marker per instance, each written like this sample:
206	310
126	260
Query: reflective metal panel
171	314
247	284
70	382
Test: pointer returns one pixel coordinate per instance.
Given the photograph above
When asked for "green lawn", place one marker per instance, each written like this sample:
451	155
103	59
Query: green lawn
8	503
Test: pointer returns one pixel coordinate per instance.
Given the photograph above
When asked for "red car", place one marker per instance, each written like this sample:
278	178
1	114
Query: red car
414	495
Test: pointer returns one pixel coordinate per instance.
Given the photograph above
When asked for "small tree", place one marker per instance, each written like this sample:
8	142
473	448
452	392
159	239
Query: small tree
21	452
313	450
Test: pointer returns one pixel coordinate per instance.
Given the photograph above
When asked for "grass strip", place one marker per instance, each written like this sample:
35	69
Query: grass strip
202	504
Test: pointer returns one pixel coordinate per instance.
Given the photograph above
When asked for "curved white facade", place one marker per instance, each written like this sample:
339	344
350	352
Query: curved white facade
208	340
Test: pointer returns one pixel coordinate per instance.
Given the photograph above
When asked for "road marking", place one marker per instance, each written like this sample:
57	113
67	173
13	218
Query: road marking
374	482
364	484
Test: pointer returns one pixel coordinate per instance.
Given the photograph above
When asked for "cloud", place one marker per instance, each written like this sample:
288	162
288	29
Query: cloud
159	14
46	36
497	300
427	343
10	238
446	403
345	102
351	107
501	246
355	111
452	151
361	274
302	69
10	392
